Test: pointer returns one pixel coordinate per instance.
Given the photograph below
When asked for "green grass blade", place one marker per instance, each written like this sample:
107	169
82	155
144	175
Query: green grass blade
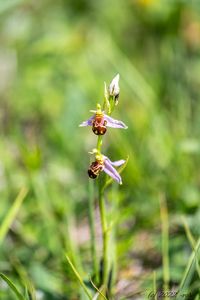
99	292
24	277
192	243
12	286
187	277
189	234
12	214
78	277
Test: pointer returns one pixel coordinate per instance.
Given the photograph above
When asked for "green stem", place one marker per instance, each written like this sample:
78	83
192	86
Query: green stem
92	230
112	235
99	143
105	234
112	105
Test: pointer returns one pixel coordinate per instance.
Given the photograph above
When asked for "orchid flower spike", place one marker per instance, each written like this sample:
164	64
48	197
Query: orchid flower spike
100	121
114	89
103	163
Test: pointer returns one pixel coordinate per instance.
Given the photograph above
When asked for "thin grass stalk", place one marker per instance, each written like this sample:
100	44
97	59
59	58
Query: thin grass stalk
70	245
189	271
76	273
192	244
98	291
165	243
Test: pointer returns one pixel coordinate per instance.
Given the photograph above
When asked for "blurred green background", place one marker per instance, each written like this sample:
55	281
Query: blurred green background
54	59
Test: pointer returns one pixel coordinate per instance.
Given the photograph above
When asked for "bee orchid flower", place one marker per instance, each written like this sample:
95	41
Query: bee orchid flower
100	121
103	163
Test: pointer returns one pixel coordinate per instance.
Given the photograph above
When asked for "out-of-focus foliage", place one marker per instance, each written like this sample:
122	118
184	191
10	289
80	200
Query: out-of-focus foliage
54	58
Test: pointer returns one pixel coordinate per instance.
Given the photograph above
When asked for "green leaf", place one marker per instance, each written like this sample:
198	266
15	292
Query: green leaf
192	243
12	214
190	269
78	277
99	292
12	286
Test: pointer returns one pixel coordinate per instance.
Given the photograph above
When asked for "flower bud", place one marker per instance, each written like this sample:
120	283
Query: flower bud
114	89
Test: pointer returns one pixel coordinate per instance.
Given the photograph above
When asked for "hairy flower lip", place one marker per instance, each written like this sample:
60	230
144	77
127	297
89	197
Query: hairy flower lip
106	165
113	123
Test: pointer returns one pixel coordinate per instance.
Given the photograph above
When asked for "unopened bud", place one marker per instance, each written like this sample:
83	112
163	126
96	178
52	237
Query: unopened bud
114	89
